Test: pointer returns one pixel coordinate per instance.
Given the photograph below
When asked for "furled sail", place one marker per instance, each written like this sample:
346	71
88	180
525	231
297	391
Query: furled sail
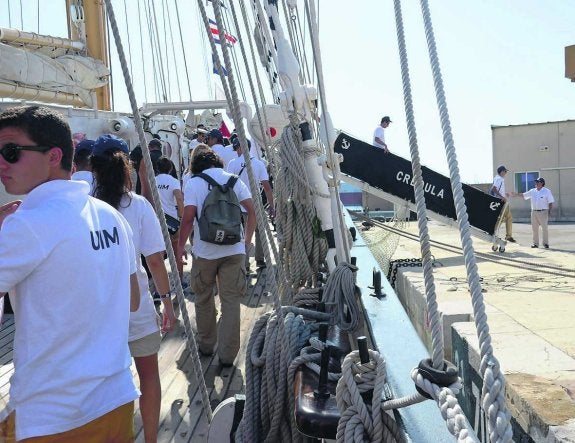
70	74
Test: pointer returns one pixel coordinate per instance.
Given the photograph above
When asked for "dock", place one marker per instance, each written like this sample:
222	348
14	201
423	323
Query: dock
530	304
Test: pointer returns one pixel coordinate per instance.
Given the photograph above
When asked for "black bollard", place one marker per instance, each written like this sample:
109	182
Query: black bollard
377	292
363	351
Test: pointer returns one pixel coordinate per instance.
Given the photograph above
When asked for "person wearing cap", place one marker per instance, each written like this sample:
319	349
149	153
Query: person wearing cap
82	166
216	142
498	190
136	156
111	167
541	205
68	261
201	137
379	134
238	167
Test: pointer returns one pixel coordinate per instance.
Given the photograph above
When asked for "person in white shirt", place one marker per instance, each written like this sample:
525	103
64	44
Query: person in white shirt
68	262
238	167
226	263
82	166
111	167
215	141
541	205
172	201
498	190
379	134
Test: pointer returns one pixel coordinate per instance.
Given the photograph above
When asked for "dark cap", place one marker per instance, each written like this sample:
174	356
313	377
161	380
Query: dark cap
236	143
155	143
541	180
85	145
216	133
501	168
386	119
109	142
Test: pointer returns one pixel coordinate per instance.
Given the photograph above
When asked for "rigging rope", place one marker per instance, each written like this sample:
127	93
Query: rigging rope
493	391
188	83
174	277
142	51
128	37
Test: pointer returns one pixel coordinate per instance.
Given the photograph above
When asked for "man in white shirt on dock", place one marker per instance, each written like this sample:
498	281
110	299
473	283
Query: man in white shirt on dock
541	204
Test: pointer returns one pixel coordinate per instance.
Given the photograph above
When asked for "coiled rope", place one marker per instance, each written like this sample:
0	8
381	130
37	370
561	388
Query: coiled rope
359	421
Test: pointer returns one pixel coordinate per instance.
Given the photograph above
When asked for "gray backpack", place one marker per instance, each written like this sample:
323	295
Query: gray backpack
221	219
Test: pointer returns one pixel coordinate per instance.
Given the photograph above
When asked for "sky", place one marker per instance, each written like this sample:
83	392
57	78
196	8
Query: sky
502	64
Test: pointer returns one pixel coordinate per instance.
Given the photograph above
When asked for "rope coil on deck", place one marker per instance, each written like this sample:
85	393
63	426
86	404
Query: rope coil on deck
359	421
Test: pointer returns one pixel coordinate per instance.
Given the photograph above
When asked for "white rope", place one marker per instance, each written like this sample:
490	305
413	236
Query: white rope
360	422
499	424
449	406
174	277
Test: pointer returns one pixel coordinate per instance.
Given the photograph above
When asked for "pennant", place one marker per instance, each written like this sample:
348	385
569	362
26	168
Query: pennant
230	39
215	68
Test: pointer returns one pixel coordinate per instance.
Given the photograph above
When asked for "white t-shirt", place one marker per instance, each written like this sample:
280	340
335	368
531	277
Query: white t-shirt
86	176
66	259
499	183
195	193
260	171
379	132
166	187
147	239
540	199
226	153
185	178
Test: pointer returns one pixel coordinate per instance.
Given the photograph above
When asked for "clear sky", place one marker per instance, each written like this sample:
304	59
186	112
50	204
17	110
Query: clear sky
502	63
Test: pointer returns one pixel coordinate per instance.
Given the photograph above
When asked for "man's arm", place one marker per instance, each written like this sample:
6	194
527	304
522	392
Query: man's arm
179	195
134	293
248	205
381	142
186	228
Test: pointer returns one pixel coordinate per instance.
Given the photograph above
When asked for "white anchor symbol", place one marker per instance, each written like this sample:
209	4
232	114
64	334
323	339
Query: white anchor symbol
345	144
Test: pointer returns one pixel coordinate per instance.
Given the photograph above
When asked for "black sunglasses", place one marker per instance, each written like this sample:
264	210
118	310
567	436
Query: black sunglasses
11	151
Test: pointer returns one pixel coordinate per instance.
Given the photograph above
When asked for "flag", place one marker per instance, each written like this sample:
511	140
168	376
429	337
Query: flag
224	129
215	68
230	39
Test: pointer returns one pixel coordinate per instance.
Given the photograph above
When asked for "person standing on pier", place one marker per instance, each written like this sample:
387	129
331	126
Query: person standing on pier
498	190
541	204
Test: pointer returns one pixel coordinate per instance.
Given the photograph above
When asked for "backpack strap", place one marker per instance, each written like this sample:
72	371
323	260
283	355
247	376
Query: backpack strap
207	178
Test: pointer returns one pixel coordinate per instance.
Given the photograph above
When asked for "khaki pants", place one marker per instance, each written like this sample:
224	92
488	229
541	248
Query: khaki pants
231	276
540	218
116	426
508	220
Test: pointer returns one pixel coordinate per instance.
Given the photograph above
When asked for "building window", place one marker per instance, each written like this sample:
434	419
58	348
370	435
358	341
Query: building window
525	180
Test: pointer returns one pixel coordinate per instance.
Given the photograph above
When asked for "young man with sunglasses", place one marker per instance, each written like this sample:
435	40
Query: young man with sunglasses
67	261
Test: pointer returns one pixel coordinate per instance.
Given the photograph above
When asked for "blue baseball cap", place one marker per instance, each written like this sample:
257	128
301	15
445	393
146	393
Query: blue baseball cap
216	133
85	145
109	142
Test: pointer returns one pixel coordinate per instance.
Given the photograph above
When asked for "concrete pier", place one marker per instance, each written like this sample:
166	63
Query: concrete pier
530	304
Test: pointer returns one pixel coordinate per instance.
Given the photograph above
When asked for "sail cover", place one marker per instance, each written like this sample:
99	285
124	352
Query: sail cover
71	74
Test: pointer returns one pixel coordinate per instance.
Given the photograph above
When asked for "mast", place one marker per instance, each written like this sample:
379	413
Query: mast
87	22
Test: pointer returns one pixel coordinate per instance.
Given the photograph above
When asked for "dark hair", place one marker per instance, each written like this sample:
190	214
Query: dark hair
164	165
44	126
112	177
82	158
206	160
